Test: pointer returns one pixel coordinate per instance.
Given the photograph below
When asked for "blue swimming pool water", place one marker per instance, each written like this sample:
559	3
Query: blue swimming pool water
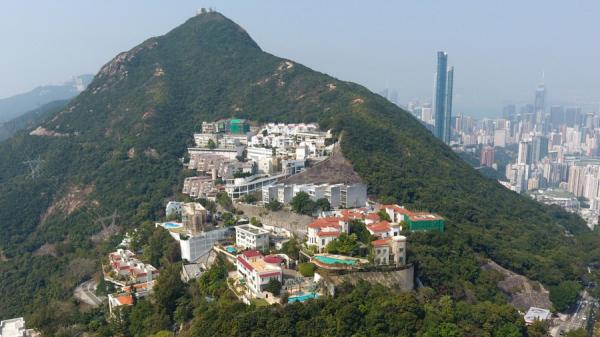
170	225
303	297
230	249
333	260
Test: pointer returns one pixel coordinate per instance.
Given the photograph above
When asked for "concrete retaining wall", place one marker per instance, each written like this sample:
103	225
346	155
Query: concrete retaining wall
295	223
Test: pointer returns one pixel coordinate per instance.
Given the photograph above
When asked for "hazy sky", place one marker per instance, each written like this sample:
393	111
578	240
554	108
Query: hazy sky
498	48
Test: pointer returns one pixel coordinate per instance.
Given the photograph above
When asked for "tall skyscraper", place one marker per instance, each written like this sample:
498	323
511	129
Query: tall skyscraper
440	93
448	111
444	79
524	155
539	148
540	104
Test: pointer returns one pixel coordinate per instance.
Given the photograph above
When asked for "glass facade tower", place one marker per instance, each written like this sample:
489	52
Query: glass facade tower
440	94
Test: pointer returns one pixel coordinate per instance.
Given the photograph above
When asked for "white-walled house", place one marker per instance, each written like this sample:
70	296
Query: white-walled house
258	270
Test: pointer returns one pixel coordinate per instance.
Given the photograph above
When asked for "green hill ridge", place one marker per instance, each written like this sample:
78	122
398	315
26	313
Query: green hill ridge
115	148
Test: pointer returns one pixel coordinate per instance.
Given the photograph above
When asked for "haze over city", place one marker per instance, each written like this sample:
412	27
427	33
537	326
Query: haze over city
499	50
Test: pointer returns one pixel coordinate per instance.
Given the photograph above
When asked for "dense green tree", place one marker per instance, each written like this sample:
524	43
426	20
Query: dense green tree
291	248
307	269
274	287
273	205
225	201
302	203
358	228
169	287
383	216
537	329
345	244
213	281
322	204
565	294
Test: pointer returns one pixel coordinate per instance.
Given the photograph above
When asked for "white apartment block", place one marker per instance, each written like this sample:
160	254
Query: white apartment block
204	139
263	157
338	195
251	237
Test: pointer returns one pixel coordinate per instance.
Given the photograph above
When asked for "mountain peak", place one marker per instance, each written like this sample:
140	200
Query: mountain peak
213	27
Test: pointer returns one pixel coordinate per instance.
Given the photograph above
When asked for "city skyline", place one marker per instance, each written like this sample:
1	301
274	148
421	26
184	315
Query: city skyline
381	53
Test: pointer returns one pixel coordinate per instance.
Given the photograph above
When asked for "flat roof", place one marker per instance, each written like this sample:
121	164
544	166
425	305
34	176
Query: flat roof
535	313
252	229
12	327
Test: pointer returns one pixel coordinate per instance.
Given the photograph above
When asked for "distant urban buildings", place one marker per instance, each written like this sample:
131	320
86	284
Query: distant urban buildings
549	151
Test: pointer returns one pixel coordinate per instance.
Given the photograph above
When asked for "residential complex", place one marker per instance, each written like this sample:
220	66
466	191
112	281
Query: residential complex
126	268
241	158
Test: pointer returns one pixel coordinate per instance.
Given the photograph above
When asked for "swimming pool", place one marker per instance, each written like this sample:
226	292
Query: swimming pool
333	260
171	225
230	250
302	298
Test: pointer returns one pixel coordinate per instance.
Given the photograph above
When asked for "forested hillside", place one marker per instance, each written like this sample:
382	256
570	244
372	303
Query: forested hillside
115	148
30	119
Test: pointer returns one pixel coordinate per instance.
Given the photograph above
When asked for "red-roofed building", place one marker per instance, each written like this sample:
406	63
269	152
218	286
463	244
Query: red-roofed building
416	221
324	230
124	264
384	229
258	270
396	213
371	218
117	300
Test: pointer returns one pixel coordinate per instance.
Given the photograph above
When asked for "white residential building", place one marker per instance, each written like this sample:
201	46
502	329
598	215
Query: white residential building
238	187
258	270
324	230
390	251
173	209
251	237
338	195
15	327
353	196
263	157
205	139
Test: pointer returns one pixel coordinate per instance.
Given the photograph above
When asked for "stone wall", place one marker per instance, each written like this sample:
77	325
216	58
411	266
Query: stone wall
295	223
402	279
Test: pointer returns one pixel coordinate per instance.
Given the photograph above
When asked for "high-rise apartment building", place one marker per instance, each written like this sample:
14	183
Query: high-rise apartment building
487	156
